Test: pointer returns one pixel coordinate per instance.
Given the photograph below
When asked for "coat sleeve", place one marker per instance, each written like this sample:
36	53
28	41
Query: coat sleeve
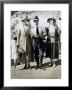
18	34
57	34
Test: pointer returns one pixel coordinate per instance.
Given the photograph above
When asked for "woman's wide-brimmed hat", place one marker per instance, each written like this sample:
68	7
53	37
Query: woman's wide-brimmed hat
36	18
49	19
25	19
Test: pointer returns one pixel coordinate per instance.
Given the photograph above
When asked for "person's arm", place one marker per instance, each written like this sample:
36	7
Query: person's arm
47	30
57	35
47	33
43	32
18	36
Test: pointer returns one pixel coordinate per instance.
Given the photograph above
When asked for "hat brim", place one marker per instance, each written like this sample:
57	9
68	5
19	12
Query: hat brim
48	20
36	19
25	20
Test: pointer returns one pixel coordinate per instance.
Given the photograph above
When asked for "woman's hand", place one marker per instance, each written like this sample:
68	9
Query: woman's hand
17	44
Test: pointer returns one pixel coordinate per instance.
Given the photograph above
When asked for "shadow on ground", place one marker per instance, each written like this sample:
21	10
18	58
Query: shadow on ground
46	65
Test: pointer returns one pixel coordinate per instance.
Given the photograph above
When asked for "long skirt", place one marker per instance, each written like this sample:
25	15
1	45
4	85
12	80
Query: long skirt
54	51
28	47
48	48
25	53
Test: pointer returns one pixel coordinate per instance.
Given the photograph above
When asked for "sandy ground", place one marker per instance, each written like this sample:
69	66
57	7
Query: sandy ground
49	73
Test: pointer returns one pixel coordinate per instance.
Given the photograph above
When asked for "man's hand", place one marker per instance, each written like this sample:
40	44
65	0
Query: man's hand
46	37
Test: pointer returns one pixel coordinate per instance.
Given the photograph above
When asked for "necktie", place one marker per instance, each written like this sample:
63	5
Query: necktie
37	30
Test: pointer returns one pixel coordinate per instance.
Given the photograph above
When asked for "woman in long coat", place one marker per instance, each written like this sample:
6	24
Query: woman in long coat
54	36
24	42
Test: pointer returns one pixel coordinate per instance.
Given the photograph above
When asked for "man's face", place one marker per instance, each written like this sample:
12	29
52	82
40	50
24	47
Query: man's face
25	22
36	22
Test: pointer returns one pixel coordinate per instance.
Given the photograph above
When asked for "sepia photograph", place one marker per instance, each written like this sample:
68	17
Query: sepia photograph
35	44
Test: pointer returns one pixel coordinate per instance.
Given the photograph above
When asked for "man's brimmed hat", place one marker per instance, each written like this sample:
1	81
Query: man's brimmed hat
36	18
49	19
25	19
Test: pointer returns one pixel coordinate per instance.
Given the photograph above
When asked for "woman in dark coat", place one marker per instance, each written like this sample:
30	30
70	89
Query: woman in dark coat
54	36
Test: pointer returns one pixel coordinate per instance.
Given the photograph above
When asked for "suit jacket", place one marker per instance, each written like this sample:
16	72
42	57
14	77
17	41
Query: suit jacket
34	34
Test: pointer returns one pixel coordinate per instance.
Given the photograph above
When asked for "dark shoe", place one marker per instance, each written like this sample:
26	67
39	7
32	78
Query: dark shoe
37	67
29	67
18	63
50	64
25	67
43	68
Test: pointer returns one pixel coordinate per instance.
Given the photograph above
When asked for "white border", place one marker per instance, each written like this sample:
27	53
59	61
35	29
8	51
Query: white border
64	8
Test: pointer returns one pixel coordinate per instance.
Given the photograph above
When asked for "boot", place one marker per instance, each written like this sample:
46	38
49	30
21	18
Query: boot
43	68
29	67
54	64
37	67
25	67
51	63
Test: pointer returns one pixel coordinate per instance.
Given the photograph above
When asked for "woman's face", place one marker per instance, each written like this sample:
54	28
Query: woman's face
51	21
